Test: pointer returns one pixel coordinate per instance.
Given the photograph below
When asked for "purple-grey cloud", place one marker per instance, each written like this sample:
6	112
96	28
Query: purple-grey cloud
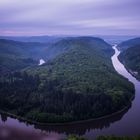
86	17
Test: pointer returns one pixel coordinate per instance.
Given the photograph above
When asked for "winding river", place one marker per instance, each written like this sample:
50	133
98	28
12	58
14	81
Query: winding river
126	122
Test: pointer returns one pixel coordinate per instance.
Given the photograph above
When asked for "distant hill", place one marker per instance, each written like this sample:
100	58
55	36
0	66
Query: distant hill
43	39
79	83
131	59
129	43
116	39
15	55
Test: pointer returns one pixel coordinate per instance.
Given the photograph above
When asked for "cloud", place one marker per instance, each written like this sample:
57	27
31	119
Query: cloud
69	17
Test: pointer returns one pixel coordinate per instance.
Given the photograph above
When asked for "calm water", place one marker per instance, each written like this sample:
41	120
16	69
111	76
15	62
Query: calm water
124	123
41	62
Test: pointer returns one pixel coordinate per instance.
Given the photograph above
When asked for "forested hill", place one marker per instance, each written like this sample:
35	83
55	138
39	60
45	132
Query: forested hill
131	59
15	55
130	56
129	43
78	84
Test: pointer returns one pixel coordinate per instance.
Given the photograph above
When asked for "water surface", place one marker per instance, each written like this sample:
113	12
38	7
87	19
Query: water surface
41	62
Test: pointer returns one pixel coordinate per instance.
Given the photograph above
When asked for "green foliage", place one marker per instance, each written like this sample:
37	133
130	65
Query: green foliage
131	59
74	137
129	43
78	83
16	55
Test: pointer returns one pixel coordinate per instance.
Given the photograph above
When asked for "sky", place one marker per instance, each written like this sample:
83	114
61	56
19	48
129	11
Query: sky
69	17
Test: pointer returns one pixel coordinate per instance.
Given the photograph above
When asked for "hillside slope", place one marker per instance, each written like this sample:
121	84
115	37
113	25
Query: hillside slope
131	59
130	56
15	55
78	84
129	43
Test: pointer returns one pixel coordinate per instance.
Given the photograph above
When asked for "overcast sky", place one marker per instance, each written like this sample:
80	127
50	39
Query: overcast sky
69	17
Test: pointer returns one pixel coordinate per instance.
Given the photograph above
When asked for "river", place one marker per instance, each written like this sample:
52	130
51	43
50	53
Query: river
124	123
41	62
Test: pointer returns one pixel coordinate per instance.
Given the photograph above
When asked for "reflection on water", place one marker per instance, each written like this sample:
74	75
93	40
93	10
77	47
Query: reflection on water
81	128
123	123
76	128
14	126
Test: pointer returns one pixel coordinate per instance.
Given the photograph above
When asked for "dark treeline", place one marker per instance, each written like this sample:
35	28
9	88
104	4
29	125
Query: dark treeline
131	59
73	137
24	95
78	84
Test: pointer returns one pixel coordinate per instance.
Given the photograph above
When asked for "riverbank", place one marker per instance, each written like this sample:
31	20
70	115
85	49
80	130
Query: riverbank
130	59
130	71
65	123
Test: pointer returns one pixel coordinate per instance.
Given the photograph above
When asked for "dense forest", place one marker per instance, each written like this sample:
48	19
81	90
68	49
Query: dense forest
131	59
73	137
15	55
130	56
78	83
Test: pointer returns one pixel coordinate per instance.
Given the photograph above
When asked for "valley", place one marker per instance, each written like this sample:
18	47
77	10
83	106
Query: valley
90	129
77	83
69	70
